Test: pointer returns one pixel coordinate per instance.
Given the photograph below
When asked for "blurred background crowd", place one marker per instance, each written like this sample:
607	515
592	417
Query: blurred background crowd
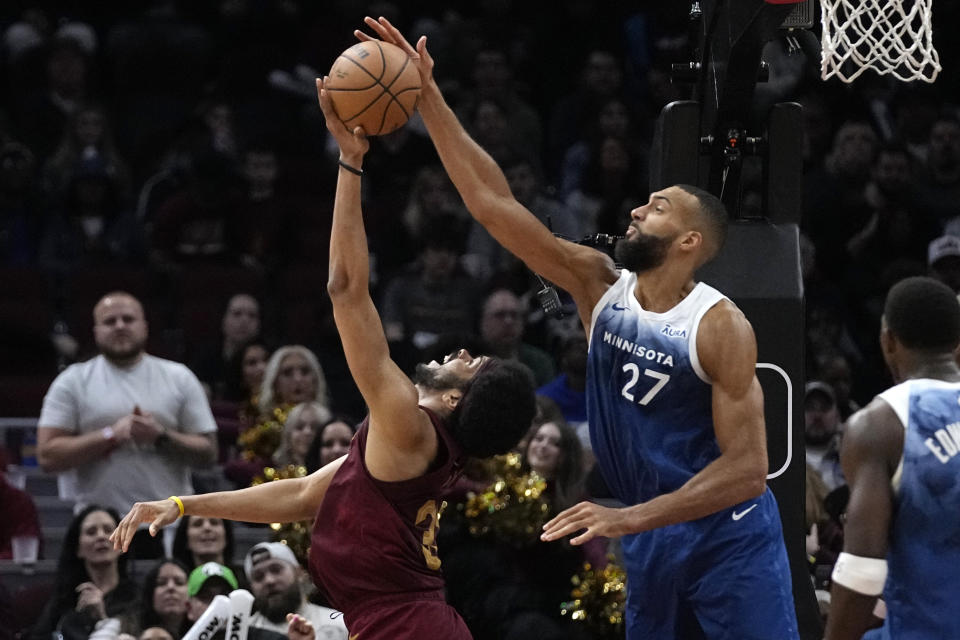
175	150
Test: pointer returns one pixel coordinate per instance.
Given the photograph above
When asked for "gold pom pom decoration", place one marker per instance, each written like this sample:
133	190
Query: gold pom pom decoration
598	600
513	508
262	439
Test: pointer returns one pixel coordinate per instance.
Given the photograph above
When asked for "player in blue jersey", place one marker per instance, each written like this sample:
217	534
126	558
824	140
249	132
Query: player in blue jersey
901	457
674	405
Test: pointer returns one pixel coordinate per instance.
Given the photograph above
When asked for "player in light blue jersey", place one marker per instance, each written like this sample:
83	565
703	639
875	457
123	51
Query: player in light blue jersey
901	457
675	409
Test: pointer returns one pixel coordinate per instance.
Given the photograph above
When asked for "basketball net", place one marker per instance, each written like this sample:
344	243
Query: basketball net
889	36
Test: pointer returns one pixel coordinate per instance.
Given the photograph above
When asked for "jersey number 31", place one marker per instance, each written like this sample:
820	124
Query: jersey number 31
634	372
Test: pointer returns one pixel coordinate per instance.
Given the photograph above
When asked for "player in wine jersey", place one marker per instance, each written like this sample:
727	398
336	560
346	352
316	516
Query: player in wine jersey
675	408
373	550
901	458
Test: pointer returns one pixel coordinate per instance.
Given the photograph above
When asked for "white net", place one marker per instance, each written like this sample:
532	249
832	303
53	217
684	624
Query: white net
889	36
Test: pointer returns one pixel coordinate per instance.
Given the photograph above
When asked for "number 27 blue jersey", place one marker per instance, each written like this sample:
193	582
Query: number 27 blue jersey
648	398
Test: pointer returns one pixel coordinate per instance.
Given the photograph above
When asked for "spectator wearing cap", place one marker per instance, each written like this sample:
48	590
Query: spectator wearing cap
822	433
943	260
275	582
207	581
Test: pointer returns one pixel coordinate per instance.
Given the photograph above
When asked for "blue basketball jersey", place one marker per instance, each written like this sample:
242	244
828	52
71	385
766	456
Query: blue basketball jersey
923	583
648	398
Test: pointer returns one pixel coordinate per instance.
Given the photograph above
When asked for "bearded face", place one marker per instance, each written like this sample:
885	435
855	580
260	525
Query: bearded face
642	251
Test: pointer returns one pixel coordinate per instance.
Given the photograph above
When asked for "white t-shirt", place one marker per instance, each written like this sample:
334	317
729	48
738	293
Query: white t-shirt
91	395
327	623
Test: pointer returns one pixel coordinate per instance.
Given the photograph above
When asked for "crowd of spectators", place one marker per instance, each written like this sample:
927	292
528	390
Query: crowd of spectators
175	150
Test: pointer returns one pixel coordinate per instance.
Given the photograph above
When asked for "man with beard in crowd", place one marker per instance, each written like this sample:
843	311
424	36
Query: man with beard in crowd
275	582
674	405
129	423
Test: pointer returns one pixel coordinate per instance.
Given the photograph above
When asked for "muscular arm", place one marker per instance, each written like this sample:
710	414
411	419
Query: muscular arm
727	350
584	272
872	446
278	501
401	441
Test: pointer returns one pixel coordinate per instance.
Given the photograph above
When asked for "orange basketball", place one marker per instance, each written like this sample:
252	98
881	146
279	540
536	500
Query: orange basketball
374	85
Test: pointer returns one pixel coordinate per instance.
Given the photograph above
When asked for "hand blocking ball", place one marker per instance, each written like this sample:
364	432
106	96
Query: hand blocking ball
374	85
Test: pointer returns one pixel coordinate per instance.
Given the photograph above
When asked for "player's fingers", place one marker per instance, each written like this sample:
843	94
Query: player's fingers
117	536
565	530
361	36
586	536
129	525
565	527
392	34
379	28
573	511
359	132
422	50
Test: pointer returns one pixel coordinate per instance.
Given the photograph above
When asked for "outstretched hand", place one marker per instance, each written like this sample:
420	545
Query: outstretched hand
353	144
597	520
419	56
159	514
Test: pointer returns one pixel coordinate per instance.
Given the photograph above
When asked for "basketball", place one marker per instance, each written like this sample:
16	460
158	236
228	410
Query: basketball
374	85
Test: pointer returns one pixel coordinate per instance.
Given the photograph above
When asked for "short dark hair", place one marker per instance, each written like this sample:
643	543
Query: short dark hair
496	409
713	213
923	314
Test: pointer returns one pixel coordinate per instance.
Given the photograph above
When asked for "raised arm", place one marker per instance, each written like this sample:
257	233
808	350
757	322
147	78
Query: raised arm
871	450
727	349
399	431
584	272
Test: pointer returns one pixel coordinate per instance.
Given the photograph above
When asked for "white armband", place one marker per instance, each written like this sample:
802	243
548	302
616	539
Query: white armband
863	575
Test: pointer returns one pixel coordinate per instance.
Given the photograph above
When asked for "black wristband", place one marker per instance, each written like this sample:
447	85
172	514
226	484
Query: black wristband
353	170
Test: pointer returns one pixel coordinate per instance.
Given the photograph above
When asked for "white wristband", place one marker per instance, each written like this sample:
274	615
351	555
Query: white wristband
863	575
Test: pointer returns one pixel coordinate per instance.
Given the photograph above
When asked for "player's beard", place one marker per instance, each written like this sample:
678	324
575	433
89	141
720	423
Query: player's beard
275	607
642	251
435	379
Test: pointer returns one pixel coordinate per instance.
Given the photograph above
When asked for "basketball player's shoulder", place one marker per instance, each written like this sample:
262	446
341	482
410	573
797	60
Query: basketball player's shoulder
876	430
725	318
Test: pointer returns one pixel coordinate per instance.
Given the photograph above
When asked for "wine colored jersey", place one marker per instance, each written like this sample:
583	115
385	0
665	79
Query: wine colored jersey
373	548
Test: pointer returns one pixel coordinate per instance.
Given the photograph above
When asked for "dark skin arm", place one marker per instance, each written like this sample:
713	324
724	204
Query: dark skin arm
401	442
582	271
871	450
728	352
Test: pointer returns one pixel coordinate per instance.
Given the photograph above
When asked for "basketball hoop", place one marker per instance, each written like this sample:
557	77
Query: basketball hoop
889	36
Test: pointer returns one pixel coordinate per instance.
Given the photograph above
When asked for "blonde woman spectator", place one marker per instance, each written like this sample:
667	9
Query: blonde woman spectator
293	376
303	423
